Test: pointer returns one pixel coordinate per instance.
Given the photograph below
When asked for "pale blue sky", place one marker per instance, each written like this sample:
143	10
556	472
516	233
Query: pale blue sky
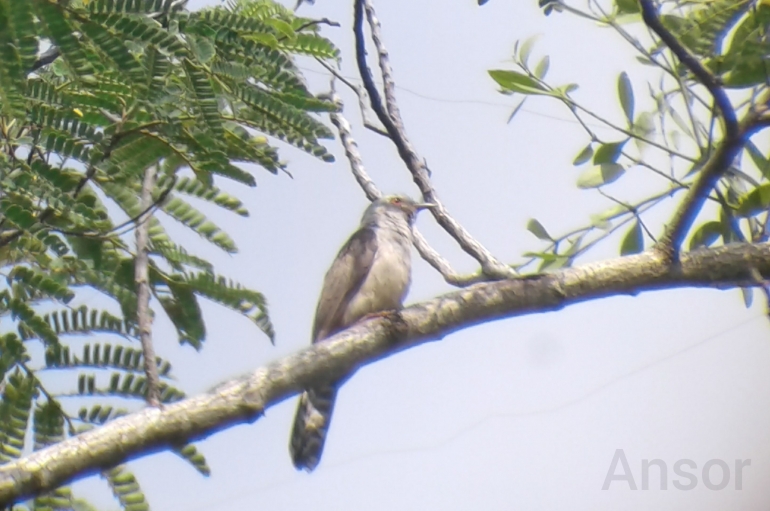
524	413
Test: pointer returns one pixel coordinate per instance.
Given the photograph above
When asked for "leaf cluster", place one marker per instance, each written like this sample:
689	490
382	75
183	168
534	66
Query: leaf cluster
673	139
92	94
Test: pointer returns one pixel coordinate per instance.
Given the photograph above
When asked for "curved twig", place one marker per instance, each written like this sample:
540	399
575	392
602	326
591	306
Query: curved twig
390	117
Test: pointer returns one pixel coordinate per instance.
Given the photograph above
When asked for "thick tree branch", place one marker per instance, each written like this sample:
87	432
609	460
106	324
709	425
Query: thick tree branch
390	117
245	399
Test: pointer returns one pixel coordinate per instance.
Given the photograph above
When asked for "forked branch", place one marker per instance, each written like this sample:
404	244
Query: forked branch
390	116
372	193
719	162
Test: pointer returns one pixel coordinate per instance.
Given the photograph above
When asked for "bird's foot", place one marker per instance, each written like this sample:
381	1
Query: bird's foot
389	314
395	322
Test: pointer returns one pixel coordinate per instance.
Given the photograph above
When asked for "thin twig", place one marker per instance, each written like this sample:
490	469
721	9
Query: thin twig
372	193
141	275
322	21
46	58
51	399
390	117
363	98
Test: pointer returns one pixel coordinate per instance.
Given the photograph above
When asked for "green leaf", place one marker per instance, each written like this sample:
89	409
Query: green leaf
284	28
116	50
538	230
626	95
760	161
542	67
15	409
99	415
206	101
706	235
744	64
563	91
48	426
599	175
513	81
526	49
703	28
62	33
192	455
197	221
516	110
633	241
643	128
21	16
41	282
600	222
203	49
755	201
584	155
609	153
554	263
126	489
627	6
748	296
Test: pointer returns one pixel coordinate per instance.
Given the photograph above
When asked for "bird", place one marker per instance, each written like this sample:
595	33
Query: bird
370	275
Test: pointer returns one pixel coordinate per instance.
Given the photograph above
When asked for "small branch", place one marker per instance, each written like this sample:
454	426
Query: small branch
734	135
135	220
388	84
352	154
322	21
245	399
46	58
390	118
362	98
51	399
700	190
155	204
704	76
84	180
372	193
142	279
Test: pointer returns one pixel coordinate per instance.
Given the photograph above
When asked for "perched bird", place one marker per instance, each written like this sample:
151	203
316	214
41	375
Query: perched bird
371	274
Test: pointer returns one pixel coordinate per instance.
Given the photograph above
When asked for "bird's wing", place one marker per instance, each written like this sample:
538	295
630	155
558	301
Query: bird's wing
343	280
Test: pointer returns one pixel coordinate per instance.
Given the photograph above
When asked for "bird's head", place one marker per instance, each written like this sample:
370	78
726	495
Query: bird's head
395	205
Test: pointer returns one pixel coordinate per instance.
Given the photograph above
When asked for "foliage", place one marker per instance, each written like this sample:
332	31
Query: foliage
669	130
92	93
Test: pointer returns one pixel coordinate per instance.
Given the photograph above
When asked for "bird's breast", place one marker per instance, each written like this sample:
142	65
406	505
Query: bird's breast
385	286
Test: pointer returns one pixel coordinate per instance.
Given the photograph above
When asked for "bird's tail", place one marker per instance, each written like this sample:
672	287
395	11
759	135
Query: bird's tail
310	426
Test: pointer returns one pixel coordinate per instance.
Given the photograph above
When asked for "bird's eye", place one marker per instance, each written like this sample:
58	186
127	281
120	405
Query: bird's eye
395	200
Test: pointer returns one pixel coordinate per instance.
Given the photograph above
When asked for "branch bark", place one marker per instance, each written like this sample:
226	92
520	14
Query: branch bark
246	398
427	252
390	116
142	279
735	134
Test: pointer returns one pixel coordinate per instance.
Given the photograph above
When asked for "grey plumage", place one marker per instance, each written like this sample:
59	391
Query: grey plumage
370	274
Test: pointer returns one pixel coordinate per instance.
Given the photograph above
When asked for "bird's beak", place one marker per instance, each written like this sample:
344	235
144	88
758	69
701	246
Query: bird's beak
424	205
